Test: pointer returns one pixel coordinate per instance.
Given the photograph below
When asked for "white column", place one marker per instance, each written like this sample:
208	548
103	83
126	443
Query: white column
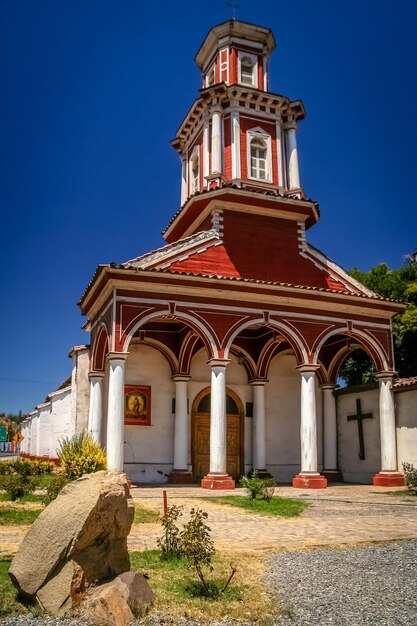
235	140
216	141
293	170
115	414
184	190
95	414
330	427
181	424
280	155
308	427
259	442
206	148
387	424
218	425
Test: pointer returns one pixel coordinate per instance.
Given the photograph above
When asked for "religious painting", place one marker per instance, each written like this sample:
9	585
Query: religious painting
137	405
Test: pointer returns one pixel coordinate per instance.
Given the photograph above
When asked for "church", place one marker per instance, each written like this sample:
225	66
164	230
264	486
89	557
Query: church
219	352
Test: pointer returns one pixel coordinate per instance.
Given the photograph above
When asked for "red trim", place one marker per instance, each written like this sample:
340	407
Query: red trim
217	481
389	479
309	481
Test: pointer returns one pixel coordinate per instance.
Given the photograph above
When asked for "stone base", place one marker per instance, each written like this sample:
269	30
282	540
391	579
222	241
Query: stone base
217	481
389	479
332	476
309	481
180	477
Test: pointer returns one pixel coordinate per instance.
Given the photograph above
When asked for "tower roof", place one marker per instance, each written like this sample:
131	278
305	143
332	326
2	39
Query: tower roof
224	32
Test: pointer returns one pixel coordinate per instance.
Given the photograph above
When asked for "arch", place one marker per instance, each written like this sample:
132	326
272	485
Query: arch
248	363
195	324
101	347
371	346
187	352
339	358
200	433
295	340
161	347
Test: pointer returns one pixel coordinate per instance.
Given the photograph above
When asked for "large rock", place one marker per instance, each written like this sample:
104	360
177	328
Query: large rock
118	602
79	539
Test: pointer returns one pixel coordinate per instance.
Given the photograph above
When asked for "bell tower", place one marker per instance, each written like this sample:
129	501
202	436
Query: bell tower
238	133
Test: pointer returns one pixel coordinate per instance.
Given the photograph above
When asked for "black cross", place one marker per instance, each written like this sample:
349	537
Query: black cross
359	417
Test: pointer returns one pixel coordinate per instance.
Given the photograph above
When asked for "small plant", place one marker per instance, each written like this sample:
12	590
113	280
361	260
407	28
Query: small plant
169	544
253	483
410	473
268	489
197	544
58	482
24	468
17	485
263	487
80	455
6	467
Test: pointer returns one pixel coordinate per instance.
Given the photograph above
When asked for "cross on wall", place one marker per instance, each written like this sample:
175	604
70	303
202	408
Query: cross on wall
359	417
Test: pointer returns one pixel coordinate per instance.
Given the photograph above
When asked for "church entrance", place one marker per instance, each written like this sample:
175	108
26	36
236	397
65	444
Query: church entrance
200	434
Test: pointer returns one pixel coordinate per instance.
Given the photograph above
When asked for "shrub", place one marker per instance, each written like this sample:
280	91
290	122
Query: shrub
410	473
263	487
58	482
169	544
17	485
253	483
43	467
80	455
268	488
197	545
6	467
24	467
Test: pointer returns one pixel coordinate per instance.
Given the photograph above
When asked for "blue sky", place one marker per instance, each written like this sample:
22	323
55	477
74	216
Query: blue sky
92	92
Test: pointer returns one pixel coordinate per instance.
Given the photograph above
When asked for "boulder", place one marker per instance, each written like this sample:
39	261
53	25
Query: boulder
79	539
139	593
118	602
107	605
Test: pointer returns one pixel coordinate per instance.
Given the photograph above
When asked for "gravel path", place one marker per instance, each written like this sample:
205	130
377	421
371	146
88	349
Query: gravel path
372	586
361	586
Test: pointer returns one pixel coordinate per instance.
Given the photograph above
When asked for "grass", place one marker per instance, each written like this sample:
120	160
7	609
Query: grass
402	492
277	507
9	602
18	517
177	588
144	515
5	497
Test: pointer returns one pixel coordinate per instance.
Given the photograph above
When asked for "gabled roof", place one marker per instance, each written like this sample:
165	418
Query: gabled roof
204	254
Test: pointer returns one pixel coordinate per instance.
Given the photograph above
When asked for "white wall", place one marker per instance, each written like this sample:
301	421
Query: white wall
44	430
61	423
149	450
406	409
283	412
353	469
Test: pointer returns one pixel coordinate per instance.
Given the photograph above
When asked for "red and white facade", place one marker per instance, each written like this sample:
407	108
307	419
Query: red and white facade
237	307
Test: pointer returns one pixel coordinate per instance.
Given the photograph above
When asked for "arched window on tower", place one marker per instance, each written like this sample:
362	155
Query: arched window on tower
258	158
247	70
195	171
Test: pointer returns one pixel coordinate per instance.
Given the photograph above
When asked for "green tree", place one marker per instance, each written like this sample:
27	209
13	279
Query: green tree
400	285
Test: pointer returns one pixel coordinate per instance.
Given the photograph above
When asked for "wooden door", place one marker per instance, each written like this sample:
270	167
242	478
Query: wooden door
201	435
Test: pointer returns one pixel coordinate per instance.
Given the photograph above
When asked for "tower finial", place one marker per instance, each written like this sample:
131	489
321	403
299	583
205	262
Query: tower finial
234	6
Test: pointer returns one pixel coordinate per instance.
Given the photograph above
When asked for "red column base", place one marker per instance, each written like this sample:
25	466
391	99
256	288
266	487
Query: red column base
180	477
217	481
309	481
389	479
